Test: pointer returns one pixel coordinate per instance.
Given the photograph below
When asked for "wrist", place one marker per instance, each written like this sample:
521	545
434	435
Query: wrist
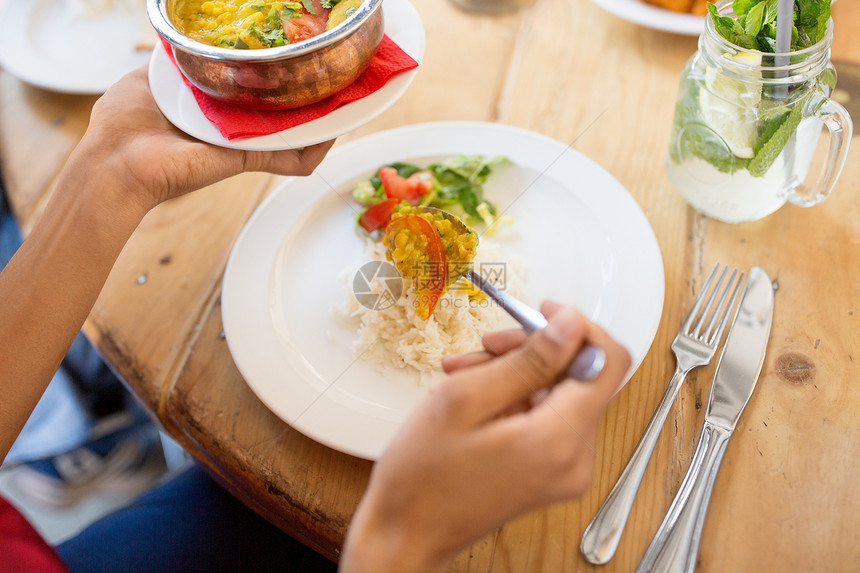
90	200
95	176
375	544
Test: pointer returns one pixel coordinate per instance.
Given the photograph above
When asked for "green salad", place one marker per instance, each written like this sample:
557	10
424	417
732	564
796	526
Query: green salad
455	185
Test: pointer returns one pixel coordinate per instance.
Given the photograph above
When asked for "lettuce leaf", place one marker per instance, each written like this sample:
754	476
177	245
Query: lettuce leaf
458	185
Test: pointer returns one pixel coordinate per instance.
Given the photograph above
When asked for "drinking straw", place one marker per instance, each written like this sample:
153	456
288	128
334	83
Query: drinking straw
784	24
784	21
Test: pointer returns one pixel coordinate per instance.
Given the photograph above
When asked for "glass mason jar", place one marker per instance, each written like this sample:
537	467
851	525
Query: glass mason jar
746	127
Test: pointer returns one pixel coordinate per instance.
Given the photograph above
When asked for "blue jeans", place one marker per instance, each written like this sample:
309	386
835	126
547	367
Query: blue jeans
188	524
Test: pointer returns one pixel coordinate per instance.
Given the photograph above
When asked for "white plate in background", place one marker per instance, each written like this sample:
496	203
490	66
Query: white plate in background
650	16
45	43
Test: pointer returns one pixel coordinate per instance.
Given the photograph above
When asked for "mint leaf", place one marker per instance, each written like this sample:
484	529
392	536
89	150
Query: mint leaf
741	7
773	141
754	20
811	18
754	27
732	29
726	27
770	13
771	122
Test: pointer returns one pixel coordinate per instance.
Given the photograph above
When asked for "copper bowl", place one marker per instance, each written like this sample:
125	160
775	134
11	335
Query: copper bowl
276	78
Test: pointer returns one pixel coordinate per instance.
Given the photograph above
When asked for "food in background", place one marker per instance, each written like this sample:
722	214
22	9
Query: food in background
698	7
254	24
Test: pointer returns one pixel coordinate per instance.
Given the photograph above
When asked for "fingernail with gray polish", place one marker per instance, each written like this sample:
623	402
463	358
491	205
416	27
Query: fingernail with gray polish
588	363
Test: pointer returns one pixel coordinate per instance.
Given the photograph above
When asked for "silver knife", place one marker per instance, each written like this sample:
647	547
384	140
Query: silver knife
676	544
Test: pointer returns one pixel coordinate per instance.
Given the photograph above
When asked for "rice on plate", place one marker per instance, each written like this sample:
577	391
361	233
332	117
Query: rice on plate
392	334
381	304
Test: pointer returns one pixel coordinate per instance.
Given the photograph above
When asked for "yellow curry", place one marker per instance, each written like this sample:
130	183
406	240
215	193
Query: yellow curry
258	24
430	249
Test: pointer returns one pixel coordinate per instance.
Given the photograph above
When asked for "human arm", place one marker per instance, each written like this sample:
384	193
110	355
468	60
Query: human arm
481	449
129	160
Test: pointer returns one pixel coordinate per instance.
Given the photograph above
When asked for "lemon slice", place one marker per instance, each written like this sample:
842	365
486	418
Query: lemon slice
742	86
728	104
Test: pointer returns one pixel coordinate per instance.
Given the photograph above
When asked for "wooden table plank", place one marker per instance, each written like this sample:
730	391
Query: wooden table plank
575	73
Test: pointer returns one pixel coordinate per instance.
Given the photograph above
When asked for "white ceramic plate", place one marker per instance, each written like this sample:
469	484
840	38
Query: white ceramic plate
177	103
638	12
45	44
582	237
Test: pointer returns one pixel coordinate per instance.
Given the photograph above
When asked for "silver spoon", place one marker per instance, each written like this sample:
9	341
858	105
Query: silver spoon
590	360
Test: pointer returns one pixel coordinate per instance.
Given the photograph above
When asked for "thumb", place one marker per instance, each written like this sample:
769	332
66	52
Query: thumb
509	379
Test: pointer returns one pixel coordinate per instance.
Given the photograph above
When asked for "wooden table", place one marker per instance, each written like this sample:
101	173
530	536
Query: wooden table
785	499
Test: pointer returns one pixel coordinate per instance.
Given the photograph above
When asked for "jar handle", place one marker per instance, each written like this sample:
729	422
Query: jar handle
838	123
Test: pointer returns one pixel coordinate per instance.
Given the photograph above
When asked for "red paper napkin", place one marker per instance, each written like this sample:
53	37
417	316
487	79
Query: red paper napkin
233	121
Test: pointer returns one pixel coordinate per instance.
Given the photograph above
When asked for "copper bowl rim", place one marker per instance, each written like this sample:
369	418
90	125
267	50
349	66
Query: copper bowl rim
166	29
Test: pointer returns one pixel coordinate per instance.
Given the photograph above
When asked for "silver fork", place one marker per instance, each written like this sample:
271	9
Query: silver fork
694	346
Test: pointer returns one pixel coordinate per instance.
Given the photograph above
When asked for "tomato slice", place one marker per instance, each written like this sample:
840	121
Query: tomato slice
378	214
420	182
307	25
397	187
430	278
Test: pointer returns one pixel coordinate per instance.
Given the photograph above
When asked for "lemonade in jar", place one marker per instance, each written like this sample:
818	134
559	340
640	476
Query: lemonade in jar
748	120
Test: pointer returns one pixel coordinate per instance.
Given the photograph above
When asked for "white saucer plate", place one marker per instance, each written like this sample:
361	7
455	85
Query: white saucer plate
175	100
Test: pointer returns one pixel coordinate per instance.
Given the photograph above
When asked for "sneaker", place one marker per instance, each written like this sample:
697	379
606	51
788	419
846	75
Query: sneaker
126	463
